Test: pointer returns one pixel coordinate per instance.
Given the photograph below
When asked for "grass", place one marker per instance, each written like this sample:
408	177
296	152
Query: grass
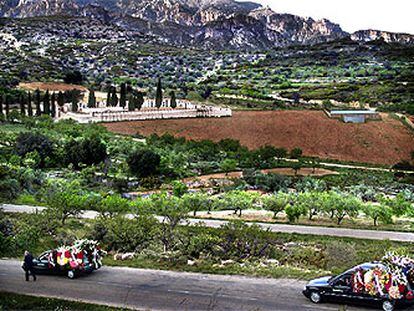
10	301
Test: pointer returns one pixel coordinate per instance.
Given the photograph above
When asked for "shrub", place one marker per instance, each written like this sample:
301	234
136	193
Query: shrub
143	163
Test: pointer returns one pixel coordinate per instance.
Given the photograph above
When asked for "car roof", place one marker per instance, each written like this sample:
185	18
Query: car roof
365	266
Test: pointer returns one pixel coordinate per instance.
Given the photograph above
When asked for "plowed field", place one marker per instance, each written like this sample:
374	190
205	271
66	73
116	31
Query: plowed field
383	142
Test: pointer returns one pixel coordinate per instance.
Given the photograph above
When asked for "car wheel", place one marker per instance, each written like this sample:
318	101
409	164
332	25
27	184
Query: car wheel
388	306
71	274
315	297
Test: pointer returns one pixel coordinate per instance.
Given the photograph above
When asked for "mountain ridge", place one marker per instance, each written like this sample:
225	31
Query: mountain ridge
209	24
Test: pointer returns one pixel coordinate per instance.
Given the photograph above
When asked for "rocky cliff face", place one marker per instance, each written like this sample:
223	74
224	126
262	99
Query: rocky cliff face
205	23
389	37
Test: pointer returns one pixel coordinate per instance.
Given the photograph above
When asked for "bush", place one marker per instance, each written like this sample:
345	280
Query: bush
293	212
34	142
88	151
143	163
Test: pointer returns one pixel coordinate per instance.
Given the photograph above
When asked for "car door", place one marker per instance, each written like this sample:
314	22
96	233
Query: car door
341	290
41	264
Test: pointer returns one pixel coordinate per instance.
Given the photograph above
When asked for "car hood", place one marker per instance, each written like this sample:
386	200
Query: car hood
320	281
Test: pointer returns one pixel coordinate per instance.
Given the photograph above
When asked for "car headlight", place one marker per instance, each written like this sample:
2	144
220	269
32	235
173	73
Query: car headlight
305	287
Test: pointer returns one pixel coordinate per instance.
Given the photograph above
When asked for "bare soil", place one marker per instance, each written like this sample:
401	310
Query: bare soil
386	141
51	86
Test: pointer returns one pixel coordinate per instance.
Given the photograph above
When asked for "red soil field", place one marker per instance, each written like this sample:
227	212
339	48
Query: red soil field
381	142
51	86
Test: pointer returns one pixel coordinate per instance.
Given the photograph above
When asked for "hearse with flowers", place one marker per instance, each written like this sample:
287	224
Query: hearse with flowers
388	284
83	257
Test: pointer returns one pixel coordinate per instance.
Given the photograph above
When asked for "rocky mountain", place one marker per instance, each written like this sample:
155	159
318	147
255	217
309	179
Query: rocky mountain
203	23
389	37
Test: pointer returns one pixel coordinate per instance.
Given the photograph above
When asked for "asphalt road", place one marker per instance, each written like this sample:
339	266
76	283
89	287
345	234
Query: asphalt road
165	290
314	230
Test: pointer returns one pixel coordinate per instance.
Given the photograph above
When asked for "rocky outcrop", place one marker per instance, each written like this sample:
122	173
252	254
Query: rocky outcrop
203	23
389	37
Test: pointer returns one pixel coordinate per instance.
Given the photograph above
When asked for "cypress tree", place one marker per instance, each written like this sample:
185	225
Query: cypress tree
22	105
131	102
108	98
29	104
1	105
114	97
139	100
74	105
7	103
158	95
173	101
123	96
91	99
37	102
53	105
46	103
61	99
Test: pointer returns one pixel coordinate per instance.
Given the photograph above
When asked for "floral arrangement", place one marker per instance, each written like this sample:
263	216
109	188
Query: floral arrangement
77	256
391	277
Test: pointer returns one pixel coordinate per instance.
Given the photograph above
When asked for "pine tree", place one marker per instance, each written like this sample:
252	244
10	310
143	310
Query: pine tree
22	105
53	106
46	103
61	99
29	105
123	96
158	96
173	101
91	99
37	102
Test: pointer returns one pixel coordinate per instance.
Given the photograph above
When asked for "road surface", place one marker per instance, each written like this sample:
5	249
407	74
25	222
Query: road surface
284	228
165	290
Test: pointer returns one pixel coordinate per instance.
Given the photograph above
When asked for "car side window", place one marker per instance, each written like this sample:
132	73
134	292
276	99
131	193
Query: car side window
343	281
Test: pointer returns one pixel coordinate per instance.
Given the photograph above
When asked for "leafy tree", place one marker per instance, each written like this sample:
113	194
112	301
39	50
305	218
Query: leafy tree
28	142
91	99
173	101
173	212
237	200
296	153
296	166
378	212
110	205
280	153
109	98
197	202
343	205
179	188
228	165
65	200
293	212
158	95
73	77
87	151
398	205
143	162
275	203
